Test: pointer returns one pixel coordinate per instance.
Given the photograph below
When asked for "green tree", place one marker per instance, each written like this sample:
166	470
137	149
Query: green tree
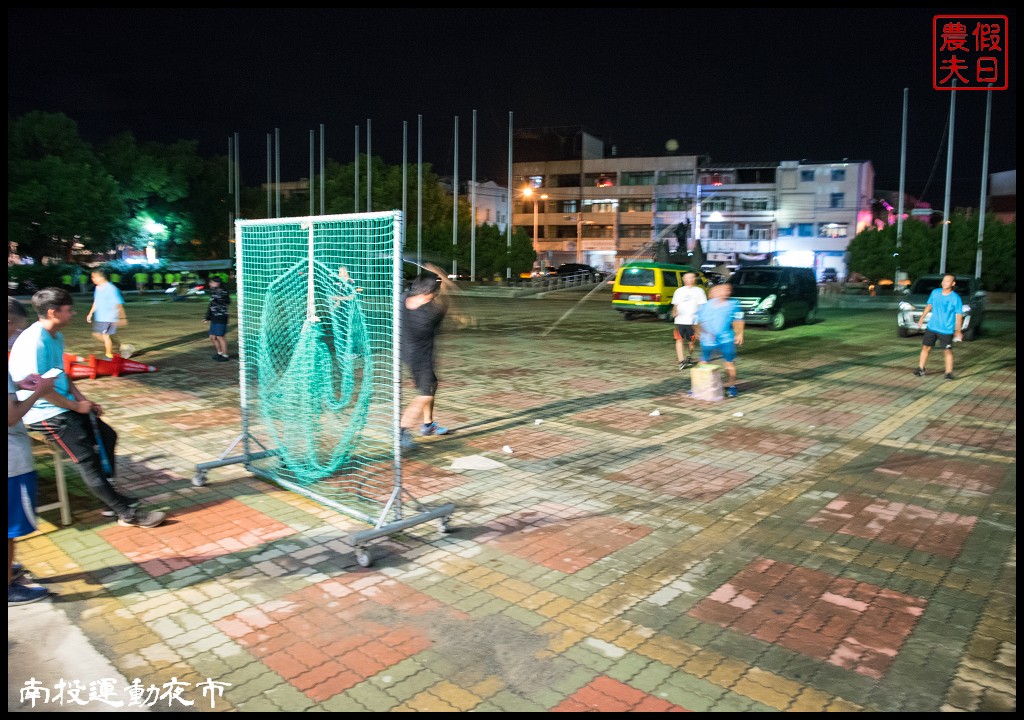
999	256
169	184
871	253
58	192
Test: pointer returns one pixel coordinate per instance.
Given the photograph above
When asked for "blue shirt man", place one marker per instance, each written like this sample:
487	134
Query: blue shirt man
947	318
107	301
107	313
720	330
945	307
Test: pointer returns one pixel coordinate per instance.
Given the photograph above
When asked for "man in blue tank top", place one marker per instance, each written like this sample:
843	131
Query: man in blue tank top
947	317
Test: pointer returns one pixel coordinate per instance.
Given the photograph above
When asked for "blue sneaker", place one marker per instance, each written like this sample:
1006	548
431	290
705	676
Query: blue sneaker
18	594
433	429
732	391
405	440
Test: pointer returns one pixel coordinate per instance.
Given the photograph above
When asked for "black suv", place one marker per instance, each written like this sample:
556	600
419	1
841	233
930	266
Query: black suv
580	272
774	295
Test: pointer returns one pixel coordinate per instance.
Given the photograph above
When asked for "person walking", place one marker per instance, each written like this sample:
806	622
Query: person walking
217	317
720	330
686	300
65	415
21	474
423	309
108	311
947	319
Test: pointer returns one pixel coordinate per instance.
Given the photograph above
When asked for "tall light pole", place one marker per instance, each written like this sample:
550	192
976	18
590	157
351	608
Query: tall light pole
580	222
579	237
528	192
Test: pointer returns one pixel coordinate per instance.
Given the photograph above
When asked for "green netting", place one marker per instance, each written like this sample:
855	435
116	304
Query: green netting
316	303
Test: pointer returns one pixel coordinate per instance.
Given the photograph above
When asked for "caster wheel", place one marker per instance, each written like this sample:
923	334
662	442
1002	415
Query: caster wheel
442	524
363	557
199	479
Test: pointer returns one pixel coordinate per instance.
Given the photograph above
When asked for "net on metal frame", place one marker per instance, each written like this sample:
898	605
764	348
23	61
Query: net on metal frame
316	335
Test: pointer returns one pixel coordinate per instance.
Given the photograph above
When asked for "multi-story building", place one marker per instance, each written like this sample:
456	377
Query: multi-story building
490	199
604	211
821	208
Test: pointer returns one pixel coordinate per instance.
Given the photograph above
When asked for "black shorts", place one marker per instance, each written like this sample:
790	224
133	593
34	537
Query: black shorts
425	380
944	340
683	332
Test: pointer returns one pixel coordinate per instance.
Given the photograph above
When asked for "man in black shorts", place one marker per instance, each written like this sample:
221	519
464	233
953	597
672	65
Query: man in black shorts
423	310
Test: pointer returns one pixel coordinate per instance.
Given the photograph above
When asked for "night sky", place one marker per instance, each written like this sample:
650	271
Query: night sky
738	85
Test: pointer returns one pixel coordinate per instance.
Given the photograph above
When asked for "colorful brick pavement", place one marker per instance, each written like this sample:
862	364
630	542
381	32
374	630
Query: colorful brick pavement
841	537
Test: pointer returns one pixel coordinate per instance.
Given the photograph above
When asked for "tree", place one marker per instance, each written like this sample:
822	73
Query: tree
169	185
58	192
872	252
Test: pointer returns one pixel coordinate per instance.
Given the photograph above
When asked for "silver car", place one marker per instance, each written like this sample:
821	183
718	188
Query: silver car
967	287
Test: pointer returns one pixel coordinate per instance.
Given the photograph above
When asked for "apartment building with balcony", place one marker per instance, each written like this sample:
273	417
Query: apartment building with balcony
604	211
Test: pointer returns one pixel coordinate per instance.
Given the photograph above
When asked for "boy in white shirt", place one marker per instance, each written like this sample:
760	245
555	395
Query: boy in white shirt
686	300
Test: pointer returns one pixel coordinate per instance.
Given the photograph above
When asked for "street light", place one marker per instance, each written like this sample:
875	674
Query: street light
580	222
528	192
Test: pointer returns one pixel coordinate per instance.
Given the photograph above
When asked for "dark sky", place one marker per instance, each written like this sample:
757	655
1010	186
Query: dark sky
738	85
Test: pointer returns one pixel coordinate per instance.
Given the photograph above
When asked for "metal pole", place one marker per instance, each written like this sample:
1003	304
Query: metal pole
472	209
579	235
369	170
984	184
455	201
355	179
277	168
312	143
238	181
508	218
405	181
579	209
231	191
949	179
419	194
899	204
537	223
270	184
322	171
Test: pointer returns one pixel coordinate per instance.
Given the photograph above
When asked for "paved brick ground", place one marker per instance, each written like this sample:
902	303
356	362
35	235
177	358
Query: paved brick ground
841	537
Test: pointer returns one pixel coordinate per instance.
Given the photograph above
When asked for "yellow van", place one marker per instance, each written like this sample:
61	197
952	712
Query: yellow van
646	287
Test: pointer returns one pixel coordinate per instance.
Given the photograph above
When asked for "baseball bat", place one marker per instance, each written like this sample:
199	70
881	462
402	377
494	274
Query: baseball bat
104	460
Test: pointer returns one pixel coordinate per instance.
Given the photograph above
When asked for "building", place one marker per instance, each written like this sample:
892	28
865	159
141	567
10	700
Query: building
1002	195
491	200
604	211
821	208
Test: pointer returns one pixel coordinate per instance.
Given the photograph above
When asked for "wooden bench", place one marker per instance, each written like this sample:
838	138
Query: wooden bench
63	501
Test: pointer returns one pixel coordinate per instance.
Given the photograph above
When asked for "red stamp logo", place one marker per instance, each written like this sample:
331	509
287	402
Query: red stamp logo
969	52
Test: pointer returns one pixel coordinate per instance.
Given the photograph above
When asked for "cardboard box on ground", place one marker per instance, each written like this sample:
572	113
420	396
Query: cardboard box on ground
706	382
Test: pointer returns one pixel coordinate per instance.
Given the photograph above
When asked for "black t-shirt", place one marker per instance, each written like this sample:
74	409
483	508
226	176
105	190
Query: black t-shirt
419	328
217	311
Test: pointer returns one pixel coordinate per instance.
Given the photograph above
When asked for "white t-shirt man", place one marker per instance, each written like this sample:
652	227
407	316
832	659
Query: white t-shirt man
687	299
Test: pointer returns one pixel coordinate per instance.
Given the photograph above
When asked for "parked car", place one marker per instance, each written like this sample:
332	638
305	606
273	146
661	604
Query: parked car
775	295
537	272
967	287
580	271
646	287
829	275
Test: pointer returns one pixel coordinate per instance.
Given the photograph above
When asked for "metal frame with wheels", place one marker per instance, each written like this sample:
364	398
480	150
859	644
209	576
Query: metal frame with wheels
320	238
